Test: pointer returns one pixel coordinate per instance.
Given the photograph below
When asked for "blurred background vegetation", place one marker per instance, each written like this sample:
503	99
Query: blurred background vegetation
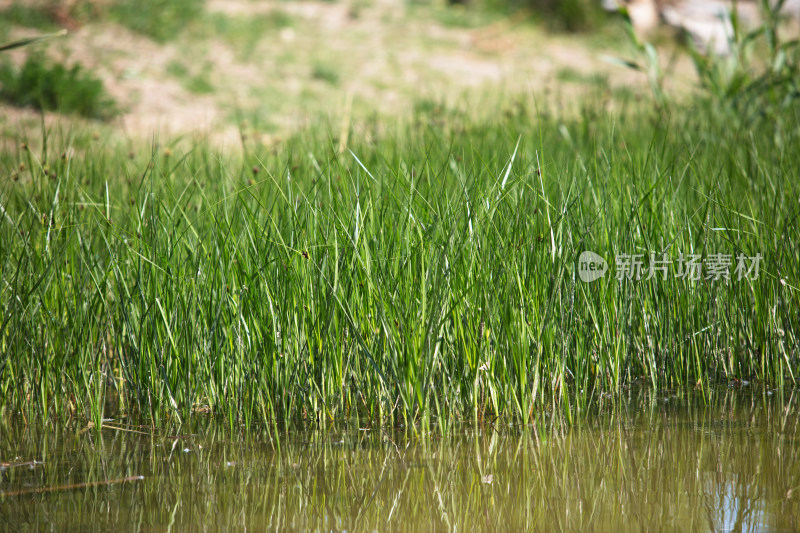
164	19
274	63
277	63
560	15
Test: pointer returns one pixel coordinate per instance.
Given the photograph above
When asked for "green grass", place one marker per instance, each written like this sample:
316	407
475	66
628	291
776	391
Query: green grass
428	276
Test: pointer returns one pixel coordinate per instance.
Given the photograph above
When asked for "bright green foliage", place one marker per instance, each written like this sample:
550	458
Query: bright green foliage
430	273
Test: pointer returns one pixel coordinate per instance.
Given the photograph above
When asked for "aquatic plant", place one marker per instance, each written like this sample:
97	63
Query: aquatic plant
431	273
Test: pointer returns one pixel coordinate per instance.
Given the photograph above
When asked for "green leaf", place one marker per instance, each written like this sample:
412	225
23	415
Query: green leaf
31	40
622	62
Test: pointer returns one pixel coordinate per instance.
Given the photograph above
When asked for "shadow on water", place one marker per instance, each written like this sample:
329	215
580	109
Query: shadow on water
665	462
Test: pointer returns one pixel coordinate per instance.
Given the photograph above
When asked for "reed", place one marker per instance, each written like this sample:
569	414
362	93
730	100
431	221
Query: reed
427	274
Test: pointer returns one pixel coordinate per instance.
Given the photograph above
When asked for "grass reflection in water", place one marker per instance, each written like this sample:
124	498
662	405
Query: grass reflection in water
650	463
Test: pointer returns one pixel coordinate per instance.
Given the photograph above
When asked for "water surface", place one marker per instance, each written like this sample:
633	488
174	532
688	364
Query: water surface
654	462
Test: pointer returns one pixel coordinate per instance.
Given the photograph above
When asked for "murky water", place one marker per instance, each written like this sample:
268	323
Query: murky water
655	463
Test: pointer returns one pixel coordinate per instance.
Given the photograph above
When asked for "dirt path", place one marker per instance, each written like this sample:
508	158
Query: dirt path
283	65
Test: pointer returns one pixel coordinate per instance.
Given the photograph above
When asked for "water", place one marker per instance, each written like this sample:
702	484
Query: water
666	462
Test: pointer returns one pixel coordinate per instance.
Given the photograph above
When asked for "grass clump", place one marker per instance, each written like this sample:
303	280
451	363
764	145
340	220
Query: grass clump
761	74
325	72
755	74
46	85
430	274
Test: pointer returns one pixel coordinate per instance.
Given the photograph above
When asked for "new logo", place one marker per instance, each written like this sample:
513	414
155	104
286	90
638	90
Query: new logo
591	266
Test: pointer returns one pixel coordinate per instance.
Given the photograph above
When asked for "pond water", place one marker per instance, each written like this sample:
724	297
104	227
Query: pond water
653	462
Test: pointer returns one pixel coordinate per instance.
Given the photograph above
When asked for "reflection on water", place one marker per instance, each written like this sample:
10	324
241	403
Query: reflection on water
655	463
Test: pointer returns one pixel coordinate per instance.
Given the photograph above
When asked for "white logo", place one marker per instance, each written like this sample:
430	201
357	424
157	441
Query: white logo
717	267
591	266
